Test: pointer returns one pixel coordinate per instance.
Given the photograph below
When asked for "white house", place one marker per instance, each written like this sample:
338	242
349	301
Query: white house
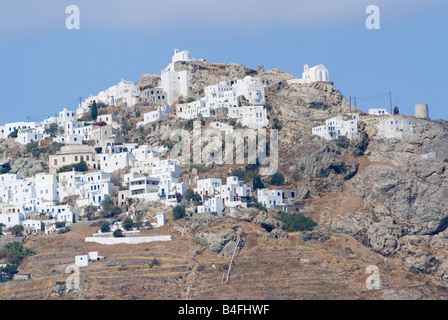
141	186
254	117
270	198
116	161
378	112
25	136
91	188
82	261
208	187
155	115
144	152
234	192
251	89
11	215
345	126
394	127
213	205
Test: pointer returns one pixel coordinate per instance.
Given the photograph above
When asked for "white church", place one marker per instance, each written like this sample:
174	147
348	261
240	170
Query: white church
315	74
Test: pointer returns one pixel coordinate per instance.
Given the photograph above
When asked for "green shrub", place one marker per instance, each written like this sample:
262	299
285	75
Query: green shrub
118	233
296	222
178	212
277	179
105	227
128	224
342	144
64	230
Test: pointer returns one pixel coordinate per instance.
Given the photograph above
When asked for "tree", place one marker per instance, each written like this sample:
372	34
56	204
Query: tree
105	227
118	233
90	211
258	184
17	230
53	129
1	228
81	167
94	111
277	179
396	111
178	212
128	224
108	208
5	168
13	134
33	148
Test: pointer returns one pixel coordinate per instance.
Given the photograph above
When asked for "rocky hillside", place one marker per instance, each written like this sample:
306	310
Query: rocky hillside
377	202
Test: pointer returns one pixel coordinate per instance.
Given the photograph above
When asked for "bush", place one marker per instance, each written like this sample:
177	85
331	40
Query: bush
5	168
258	184
13	134
178	212
64	230
277	179
128	224
17	230
105	227
109	209
81	167
33	148
118	233
296	222
342	144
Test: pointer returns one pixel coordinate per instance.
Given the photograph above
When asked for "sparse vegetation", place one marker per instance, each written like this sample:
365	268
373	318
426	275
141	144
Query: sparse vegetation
105	227
64	230
178	212
296	222
128	224
277	179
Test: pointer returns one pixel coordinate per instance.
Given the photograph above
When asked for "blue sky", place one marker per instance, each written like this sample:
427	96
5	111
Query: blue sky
46	67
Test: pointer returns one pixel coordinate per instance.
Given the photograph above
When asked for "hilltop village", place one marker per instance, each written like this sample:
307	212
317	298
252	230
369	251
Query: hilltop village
228	158
84	165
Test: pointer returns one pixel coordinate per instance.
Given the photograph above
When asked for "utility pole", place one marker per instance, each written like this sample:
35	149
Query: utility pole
350	105
390	98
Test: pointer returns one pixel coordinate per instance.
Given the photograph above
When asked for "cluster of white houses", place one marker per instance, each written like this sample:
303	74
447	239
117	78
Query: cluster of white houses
388	127
35	202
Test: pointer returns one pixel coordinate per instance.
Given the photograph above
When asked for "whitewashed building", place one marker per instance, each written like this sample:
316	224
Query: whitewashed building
176	83
155	115
345	126
208	187
270	198
254	117
116	161
234	192
315	74
394	127
378	112
213	205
